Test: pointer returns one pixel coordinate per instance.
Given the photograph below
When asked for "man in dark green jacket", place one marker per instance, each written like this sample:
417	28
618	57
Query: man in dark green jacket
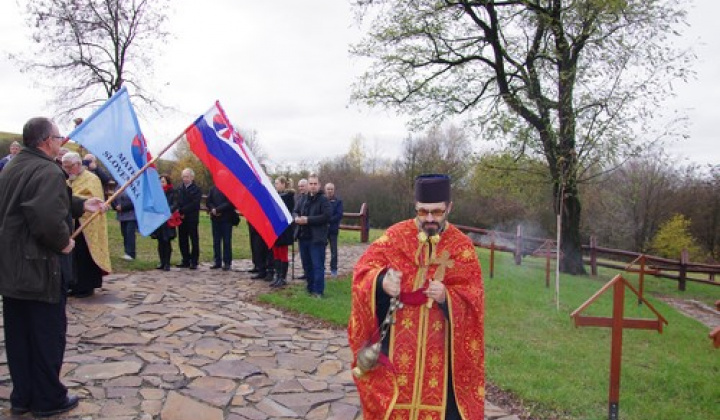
35	244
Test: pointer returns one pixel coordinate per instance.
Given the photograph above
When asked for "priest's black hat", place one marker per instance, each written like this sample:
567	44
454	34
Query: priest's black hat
432	188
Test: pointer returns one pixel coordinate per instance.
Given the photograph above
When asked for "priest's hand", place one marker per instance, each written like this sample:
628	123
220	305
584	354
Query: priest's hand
391	282
436	291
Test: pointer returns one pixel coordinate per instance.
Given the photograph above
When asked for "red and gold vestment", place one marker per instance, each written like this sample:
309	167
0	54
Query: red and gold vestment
425	346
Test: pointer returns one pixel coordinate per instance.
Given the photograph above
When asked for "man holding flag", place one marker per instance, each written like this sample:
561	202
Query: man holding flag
35	243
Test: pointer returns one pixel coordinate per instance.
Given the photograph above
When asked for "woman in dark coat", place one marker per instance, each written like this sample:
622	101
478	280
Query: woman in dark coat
280	249
166	232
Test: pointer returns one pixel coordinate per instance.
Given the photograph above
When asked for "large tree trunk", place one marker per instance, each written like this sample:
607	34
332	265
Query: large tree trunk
570	244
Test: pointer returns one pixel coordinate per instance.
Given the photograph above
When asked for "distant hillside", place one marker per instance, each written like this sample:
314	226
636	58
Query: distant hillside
9	136
163	165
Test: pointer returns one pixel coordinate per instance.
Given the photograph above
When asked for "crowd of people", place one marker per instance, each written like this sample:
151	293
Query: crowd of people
420	279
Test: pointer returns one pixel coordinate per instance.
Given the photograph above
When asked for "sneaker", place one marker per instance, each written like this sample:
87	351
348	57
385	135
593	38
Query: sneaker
126	257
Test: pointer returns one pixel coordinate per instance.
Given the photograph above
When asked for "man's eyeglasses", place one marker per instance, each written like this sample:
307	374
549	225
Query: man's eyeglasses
435	212
52	136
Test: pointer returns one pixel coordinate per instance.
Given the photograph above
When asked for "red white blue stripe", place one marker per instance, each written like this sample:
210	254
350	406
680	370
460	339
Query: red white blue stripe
237	173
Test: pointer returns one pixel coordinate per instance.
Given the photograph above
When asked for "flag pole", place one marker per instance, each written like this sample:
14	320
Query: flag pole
126	185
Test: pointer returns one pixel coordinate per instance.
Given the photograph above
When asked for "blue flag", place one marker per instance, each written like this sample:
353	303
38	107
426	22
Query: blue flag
113	135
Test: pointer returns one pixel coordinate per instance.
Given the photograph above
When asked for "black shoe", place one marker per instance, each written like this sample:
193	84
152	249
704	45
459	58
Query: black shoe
166	267
81	293
215	266
226	268
182	265
18	411
160	267
193	266
253	270
258	275
279	283
71	401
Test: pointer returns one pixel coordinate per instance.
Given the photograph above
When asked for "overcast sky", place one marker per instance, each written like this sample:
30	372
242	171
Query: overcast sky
282	69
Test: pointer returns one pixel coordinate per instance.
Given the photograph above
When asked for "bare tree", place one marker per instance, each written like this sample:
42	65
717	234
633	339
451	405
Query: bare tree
566	80
85	50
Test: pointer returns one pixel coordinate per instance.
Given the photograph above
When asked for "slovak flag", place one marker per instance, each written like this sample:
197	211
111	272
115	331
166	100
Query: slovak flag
238	174
113	135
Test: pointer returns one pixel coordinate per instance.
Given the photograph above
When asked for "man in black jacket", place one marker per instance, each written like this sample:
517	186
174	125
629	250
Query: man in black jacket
189	196
35	243
336	215
312	220
222	218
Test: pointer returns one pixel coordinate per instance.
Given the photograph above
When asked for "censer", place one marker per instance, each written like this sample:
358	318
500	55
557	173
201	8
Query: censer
367	357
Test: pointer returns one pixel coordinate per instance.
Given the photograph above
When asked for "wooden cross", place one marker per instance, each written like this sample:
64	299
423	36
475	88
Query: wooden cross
617	323
443	263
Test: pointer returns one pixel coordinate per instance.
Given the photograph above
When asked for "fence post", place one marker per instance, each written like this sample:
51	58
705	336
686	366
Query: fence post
593	255
519	245
683	270
364	224
492	254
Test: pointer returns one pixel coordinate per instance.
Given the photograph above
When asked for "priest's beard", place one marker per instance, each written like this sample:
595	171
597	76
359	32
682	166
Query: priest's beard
432	228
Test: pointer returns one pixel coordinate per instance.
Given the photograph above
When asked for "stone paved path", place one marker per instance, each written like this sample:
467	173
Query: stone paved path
192	345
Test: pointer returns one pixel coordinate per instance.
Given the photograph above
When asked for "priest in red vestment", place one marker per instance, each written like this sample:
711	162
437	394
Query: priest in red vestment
431	364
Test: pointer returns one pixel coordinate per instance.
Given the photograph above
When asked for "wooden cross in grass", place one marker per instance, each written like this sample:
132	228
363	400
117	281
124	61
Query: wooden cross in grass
617	323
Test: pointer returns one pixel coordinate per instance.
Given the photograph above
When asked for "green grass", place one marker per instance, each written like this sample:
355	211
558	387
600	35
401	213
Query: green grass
146	247
558	370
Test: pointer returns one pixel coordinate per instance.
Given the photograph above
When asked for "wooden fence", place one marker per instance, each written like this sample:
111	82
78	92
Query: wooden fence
363	225
681	270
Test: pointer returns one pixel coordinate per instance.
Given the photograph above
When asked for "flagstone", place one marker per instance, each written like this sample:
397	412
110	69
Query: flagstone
273	409
236	369
312	385
108	353
248	413
152	393
154	298
178	324
215	398
107	370
124	381
304	402
151	407
291	385
212	348
118	339
329	368
319	413
341	411
153	325
306	363
190	371
120	392
160	369
121	322
180	407
213	384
